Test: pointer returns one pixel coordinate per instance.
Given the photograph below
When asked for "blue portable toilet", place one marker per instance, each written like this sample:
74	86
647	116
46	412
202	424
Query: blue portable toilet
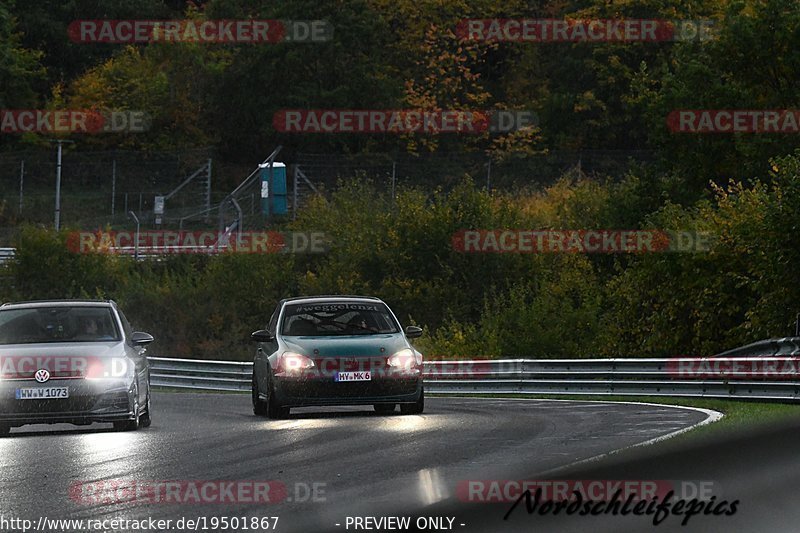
273	191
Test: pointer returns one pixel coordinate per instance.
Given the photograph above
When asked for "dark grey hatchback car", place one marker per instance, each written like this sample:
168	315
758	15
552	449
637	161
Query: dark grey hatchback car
72	361
336	350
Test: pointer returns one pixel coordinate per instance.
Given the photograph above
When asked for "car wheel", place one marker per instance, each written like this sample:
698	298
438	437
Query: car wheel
415	408
384	408
259	406
5	429
270	408
145	420
274	409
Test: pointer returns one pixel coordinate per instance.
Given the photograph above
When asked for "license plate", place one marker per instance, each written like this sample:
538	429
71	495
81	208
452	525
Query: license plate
353	376
44	393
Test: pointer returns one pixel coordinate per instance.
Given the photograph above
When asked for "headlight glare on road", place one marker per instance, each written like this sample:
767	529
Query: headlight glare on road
295	362
405	359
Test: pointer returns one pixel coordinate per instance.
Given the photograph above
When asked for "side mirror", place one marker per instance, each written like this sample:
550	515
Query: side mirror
140	338
412	332
262	335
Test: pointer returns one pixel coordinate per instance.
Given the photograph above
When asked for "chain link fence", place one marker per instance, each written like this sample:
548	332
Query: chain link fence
97	188
444	170
100	188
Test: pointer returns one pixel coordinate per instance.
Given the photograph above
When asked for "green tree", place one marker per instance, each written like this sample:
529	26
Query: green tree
750	64
21	69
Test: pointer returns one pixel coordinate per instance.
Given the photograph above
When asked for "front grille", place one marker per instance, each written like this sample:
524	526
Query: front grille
352	389
76	403
61	405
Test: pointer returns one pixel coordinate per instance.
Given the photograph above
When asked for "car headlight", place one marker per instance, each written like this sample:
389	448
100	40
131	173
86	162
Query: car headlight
405	359
294	362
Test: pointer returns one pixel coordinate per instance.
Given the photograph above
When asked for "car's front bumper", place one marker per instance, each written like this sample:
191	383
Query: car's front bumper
89	401
298	392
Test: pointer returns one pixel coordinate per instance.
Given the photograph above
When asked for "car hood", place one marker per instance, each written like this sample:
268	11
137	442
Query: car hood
347	345
64	349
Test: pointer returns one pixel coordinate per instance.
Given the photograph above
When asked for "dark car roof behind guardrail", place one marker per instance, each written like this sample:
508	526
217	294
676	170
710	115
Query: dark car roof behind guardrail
786	346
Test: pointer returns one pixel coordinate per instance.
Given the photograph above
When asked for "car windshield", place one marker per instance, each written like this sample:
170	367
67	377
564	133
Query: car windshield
337	318
57	324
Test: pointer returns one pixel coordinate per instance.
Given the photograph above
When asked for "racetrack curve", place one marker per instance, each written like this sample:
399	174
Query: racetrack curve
362	463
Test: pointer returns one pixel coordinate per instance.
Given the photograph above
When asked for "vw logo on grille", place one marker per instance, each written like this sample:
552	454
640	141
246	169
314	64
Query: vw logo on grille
42	375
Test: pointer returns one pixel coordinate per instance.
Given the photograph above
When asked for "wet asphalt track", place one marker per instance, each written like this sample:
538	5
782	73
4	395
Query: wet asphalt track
757	466
362	463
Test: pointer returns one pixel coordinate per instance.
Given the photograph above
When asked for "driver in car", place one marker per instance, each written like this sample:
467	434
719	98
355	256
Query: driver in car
358	322
91	330
90	327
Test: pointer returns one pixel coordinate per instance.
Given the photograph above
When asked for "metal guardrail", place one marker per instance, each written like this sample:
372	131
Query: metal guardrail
601	377
200	375
154	253
6	254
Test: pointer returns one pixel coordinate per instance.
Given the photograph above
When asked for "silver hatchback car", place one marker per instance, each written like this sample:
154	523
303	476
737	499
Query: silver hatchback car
72	361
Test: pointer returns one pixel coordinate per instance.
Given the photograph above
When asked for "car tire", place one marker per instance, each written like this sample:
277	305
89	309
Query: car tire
5	429
384	408
145	420
275	410
415	408
259	405
270	408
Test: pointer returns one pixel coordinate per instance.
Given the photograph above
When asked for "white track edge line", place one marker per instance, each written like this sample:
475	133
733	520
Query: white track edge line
711	416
